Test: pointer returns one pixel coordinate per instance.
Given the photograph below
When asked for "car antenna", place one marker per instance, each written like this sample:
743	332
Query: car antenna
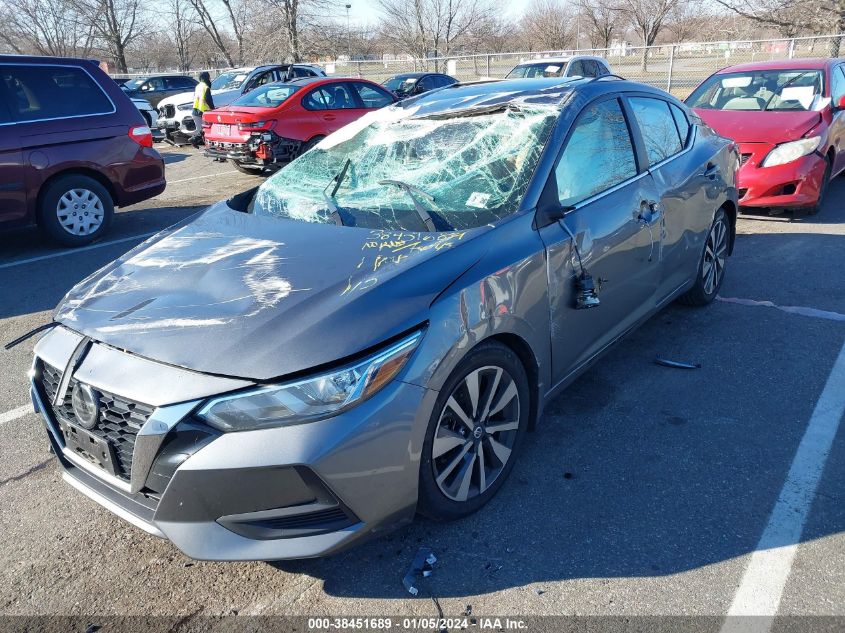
585	288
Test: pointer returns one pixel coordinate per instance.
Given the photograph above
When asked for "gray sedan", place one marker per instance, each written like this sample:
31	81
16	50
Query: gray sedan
372	331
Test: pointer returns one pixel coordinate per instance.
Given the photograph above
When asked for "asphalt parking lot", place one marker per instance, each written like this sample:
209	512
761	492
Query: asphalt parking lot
644	491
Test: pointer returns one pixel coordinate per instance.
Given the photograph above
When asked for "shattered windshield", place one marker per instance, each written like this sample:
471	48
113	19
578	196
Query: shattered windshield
391	170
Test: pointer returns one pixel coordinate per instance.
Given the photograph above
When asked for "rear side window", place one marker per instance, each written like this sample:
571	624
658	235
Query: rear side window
372	97
658	128
332	97
599	154
442	81
682	122
4	112
52	92
178	83
591	69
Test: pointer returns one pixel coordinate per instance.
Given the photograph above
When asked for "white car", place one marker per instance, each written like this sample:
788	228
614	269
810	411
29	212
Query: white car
174	113
570	66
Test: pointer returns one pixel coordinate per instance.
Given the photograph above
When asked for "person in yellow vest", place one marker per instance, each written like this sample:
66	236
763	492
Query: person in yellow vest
203	102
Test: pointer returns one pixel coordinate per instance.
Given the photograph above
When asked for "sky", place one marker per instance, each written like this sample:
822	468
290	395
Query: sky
365	12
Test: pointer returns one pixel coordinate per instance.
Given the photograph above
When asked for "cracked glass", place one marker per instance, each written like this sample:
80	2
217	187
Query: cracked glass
392	170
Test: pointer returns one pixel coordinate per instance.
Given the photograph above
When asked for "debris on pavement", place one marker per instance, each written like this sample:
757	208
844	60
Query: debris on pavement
676	364
420	567
539	592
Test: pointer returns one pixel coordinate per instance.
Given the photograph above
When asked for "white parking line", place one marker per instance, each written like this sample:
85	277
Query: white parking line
14	414
74	251
762	584
801	310
220	173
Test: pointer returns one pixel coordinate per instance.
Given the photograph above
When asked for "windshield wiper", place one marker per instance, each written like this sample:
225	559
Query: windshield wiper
329	197
425	216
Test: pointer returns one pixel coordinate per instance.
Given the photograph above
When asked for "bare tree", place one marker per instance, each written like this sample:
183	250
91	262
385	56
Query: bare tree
648	18
209	23
547	25
45	27
428	28
792	16
114	23
687	21
182	31
602	20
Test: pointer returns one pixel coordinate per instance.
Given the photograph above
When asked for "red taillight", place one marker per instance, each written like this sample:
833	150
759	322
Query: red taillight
256	126
142	135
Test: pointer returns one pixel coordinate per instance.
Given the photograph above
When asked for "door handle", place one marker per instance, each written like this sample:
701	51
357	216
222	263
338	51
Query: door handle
328	117
711	171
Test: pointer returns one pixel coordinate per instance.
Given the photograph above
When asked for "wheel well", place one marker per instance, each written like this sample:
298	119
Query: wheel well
730	209
526	356
80	171
831	154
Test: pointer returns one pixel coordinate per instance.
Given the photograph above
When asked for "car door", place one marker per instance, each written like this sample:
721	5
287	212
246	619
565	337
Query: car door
837	124
332	105
605	191
679	187
13	197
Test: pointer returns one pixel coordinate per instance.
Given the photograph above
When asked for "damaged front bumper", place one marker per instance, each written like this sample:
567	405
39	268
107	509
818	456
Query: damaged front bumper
292	492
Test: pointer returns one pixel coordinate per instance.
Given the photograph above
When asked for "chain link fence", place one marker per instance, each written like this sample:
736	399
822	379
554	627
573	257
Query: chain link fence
677	68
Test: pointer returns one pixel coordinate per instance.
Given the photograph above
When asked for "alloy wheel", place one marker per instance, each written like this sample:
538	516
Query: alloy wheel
80	212
715	252
476	433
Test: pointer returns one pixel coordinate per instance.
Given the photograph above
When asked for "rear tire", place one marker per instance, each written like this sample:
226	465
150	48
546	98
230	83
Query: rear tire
822	190
309	145
474	433
711	267
75	210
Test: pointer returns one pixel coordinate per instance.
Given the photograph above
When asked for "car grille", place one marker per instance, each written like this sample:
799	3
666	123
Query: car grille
119	421
168	111
743	158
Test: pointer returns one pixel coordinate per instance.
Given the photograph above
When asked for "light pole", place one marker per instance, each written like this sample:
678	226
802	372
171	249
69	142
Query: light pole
348	35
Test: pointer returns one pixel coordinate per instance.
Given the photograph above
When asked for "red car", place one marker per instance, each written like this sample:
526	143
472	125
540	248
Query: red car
277	122
787	118
72	147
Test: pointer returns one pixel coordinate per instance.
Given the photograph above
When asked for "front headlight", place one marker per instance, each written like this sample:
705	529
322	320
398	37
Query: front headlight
185	106
788	152
310	399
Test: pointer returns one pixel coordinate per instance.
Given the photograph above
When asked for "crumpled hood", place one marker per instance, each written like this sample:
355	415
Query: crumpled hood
256	297
749	126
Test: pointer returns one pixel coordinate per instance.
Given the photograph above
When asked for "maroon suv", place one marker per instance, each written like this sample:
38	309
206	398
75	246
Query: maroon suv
72	147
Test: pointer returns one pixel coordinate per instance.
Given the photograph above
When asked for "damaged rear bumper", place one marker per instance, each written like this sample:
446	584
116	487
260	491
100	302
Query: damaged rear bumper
292	492
261	149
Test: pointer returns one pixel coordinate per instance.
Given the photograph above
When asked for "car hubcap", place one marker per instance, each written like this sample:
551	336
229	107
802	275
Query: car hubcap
476	433
715	251
80	212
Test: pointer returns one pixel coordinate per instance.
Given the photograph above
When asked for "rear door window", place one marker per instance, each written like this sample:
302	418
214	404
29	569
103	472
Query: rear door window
598	156
658	128
52	92
332	97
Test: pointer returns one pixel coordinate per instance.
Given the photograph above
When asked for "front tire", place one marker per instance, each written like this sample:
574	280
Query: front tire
711	267
75	210
474	434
